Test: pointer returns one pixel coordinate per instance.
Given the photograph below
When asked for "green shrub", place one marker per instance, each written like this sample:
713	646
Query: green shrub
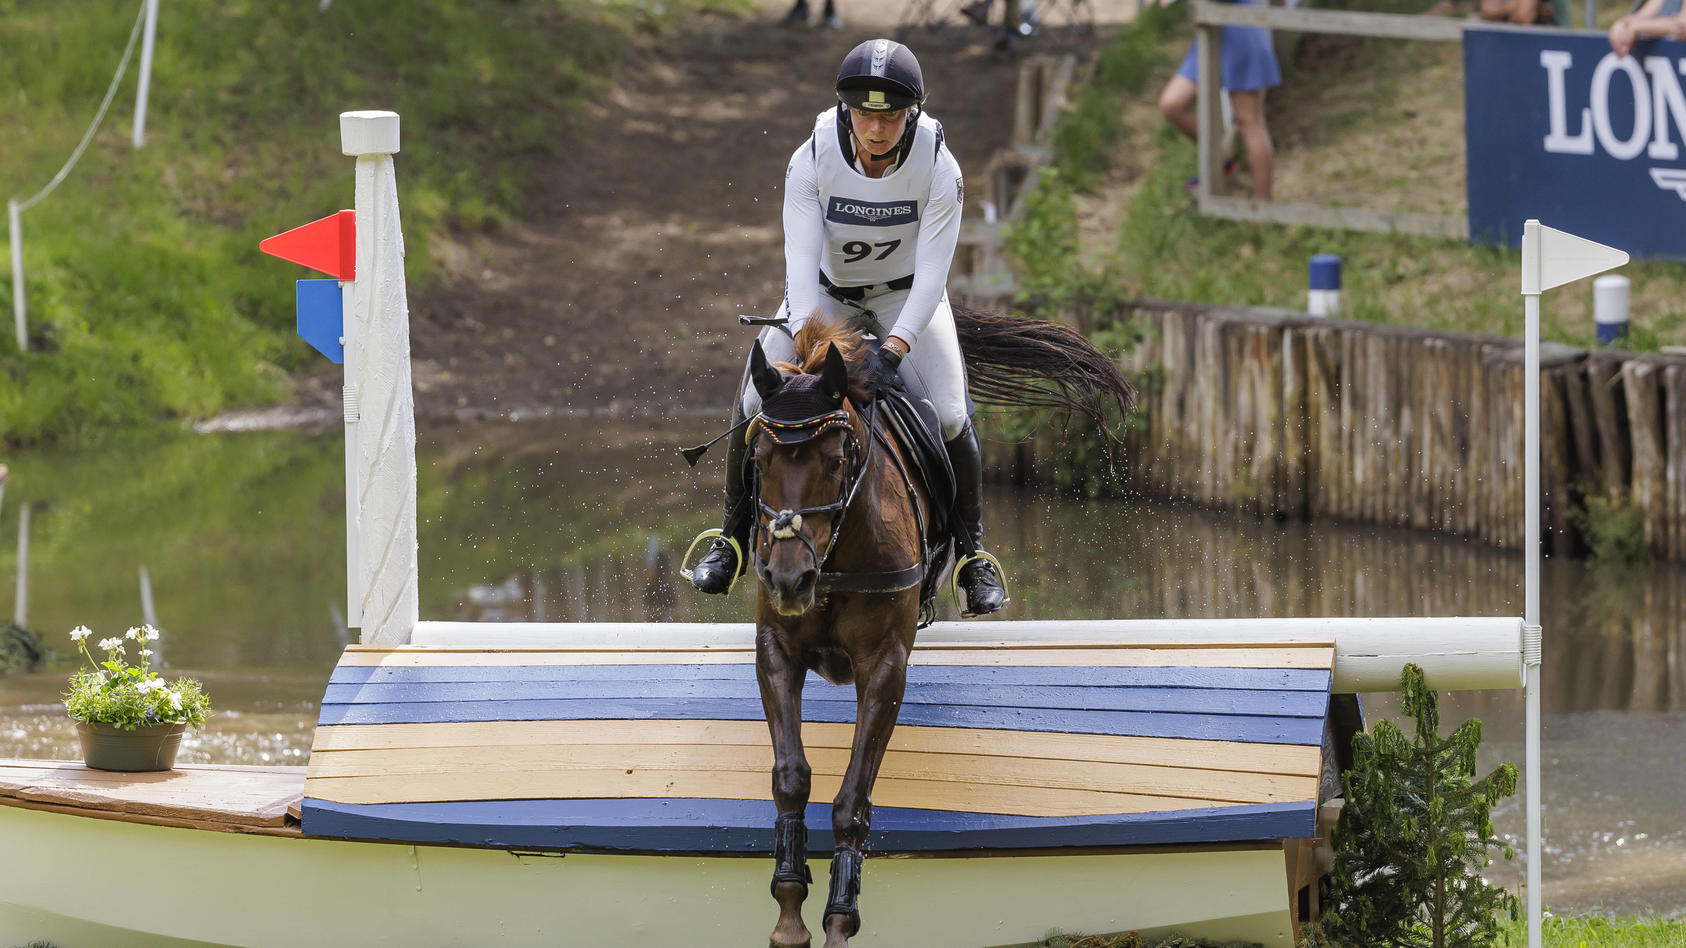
1415	833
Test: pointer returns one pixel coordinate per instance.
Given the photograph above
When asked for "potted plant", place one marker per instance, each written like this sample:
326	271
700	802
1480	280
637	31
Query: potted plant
127	716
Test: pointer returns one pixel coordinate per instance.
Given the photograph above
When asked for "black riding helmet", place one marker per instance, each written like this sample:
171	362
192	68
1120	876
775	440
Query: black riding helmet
880	75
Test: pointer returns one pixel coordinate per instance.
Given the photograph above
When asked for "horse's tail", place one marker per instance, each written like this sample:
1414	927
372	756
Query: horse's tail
1017	362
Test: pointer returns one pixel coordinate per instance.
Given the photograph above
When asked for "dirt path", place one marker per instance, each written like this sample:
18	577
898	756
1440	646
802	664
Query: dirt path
620	286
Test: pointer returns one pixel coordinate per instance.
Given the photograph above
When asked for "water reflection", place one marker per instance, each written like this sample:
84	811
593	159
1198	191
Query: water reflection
241	540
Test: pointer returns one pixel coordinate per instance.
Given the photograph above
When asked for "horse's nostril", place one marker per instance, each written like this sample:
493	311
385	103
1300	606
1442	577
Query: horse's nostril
805	582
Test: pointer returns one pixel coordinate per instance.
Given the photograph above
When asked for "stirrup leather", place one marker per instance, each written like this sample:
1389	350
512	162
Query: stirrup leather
709	534
954	580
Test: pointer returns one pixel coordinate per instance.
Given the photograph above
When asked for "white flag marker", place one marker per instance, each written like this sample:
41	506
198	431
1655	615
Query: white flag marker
1549	258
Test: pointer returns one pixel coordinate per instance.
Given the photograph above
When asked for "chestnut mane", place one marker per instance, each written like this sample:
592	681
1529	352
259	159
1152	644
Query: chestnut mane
811	342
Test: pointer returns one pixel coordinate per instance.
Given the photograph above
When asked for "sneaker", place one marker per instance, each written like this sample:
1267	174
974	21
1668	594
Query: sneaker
1230	167
833	21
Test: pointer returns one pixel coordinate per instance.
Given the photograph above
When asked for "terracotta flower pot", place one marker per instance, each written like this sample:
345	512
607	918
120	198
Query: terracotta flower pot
107	747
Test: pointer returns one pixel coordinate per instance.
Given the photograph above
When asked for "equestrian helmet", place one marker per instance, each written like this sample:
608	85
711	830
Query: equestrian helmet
880	75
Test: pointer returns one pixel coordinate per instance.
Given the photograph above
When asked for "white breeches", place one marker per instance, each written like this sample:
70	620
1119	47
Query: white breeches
933	370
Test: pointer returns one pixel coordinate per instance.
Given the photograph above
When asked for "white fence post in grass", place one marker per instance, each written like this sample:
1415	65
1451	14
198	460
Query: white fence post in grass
145	71
1549	258
15	236
380	338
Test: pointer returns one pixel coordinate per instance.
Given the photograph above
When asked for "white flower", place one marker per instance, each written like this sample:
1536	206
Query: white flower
80	632
132	634
151	633
175	701
146	653
111	643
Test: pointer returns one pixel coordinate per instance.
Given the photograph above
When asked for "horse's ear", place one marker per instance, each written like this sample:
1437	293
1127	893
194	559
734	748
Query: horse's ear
835	374
766	378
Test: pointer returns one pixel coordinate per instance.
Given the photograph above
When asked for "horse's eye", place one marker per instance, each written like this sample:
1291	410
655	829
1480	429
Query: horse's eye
836	464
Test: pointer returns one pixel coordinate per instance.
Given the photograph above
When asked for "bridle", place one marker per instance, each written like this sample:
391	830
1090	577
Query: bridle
786	524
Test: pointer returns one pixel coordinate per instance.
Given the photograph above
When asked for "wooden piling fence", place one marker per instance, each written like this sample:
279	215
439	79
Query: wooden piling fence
1272	412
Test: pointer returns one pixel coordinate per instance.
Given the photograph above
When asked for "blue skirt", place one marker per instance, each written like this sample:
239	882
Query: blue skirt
1249	62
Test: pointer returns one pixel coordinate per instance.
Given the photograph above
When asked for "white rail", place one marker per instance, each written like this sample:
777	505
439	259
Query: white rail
1456	654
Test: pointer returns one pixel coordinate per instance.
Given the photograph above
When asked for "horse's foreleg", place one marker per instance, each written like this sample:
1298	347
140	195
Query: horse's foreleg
780	678
879	698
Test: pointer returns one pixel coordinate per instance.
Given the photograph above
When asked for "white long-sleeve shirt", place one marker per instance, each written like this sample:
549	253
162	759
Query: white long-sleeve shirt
863	231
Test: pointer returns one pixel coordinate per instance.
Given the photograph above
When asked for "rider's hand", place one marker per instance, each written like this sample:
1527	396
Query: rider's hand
882	369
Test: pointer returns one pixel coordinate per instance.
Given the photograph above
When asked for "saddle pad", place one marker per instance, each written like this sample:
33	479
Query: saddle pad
661	750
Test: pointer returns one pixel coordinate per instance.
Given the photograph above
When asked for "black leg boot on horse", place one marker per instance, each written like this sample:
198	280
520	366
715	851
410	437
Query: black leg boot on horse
725	561
975	571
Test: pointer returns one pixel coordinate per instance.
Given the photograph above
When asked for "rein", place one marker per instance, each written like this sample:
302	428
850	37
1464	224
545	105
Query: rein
787	524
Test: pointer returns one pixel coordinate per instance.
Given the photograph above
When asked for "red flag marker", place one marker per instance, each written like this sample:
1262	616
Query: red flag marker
328	245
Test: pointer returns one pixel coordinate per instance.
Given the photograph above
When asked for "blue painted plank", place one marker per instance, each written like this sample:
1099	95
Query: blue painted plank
1278	679
744	827
1124	698
1275	730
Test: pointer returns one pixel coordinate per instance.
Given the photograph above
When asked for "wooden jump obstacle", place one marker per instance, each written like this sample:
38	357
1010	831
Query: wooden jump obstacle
1105	776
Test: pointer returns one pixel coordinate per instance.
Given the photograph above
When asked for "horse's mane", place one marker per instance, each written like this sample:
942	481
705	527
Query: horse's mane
811	341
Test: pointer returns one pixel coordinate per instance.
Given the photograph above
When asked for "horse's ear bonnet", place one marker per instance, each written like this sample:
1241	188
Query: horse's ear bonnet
803	407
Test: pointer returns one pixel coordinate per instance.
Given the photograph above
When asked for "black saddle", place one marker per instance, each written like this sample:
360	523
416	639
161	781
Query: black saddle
915	424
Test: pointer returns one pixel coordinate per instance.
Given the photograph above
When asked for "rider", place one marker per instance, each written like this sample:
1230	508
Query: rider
871	218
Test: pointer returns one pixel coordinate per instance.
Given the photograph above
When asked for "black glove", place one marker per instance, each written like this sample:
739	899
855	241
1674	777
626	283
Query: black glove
882	370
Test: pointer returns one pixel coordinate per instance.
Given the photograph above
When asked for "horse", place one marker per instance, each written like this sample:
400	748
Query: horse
844	553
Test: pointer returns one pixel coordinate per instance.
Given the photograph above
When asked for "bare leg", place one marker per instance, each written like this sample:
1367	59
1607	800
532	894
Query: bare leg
1176	103
781	680
878	693
1261	155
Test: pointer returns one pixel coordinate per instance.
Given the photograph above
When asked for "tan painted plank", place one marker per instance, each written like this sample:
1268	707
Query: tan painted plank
1305	656
290	829
494	763
617	783
1285	759
247	795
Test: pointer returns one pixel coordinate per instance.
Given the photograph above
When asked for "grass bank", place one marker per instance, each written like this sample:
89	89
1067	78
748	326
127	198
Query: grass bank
1570	932
1372	123
147	297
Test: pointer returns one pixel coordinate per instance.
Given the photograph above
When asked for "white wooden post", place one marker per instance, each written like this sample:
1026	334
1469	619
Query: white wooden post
380	339
15	231
1208	113
352	407
1549	258
145	71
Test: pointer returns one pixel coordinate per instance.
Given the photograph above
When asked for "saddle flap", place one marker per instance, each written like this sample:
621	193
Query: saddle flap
916	425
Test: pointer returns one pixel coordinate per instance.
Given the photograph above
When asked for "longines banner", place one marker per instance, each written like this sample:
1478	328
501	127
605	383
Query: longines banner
1559	128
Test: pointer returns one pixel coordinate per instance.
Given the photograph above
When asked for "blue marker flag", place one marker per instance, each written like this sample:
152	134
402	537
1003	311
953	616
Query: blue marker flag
321	317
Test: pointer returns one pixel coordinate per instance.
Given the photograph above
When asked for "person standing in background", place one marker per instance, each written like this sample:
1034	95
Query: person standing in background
1649	19
1248	69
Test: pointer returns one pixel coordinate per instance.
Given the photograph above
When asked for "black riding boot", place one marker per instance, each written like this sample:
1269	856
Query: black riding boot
715	573
977	576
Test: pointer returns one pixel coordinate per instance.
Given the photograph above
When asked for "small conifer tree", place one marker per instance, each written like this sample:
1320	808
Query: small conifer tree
1415	833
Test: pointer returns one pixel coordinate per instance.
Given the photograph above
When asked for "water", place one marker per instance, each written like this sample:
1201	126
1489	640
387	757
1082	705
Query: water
242	536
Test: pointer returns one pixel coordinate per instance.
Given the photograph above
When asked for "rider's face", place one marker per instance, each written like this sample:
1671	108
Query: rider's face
878	131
